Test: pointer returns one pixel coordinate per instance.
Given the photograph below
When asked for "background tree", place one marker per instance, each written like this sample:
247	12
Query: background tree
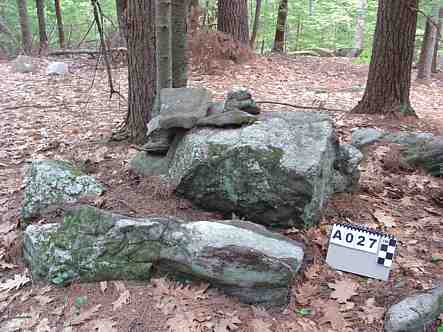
40	5
359	36
61	31
232	19
142	68
389	79
428	46
256	23
179	15
24	25
121	7
164	54
279	40
434	68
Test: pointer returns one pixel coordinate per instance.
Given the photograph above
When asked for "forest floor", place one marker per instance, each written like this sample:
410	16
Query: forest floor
71	118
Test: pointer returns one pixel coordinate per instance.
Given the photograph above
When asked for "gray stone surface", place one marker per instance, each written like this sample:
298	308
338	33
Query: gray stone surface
278	171
23	64
180	108
365	136
414	313
225	119
241	99
240	258
146	164
159	140
215	108
51	183
427	155
57	68
347	166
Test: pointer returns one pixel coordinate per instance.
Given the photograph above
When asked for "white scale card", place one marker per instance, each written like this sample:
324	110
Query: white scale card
361	251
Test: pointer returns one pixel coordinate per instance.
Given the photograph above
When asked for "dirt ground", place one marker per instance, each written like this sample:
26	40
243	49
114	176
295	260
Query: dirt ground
71	118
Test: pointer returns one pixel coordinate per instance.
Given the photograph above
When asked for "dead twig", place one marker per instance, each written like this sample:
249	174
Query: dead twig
317	108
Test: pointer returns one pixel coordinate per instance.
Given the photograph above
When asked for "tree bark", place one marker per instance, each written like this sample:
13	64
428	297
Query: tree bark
437	43
232	19
61	31
428	46
179	43
40	5
24	25
359	36
256	24
279	40
389	79
121	6
164	34
141	67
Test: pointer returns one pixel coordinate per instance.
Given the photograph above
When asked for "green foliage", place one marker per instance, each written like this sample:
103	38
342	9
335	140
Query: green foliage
440	328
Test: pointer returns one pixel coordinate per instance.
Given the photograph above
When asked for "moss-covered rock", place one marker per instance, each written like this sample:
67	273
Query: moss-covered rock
51	183
147	164
241	258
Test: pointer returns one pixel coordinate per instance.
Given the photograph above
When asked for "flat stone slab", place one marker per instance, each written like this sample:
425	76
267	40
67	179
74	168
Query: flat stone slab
52	183
365	136
415	312
226	119
239	257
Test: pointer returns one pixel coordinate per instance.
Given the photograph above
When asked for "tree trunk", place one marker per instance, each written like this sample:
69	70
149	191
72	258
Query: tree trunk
5	30
61	31
24	25
437	43
428	46
279	40
359	36
121	6
256	24
40	4
389	78
141	67
233	19
164	55
179	43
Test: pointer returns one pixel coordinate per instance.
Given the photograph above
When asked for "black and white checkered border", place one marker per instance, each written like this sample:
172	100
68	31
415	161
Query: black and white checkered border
386	252
364	229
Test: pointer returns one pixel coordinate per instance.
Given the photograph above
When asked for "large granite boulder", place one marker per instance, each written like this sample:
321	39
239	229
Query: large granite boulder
413	313
241	258
52	183
278	171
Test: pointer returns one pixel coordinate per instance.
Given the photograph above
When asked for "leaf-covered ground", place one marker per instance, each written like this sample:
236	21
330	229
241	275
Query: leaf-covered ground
71	117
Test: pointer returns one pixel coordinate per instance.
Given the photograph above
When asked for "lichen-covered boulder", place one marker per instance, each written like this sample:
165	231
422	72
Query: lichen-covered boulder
240	258
413	313
52	183
278	171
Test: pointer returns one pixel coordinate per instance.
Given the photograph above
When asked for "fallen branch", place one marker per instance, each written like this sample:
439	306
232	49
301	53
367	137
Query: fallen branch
317	108
85	51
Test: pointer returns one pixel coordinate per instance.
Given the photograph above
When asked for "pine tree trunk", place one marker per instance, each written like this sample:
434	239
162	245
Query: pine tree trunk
279	40
256	24
164	55
179	43
428	47
359	36
434	68
141	67
61	31
40	4
233	19
389	78
121	6
24	25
